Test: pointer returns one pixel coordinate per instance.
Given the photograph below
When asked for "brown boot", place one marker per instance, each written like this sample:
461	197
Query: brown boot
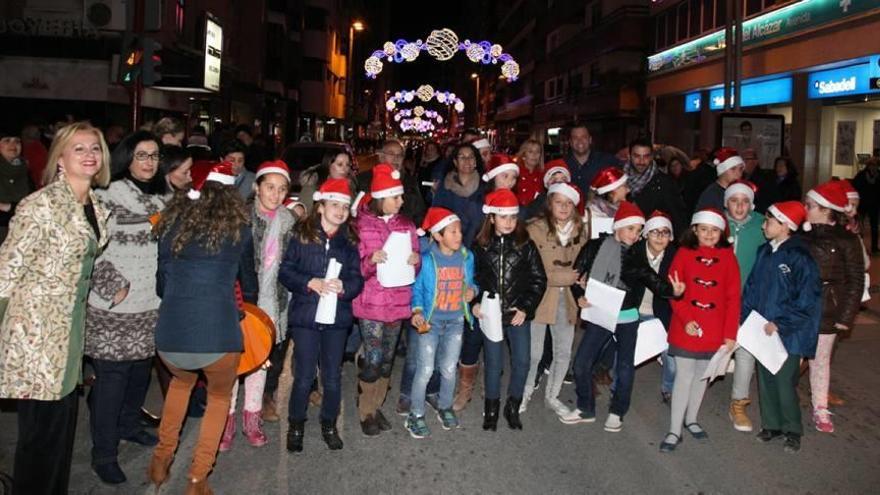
158	470
270	412
467	375
738	416
198	487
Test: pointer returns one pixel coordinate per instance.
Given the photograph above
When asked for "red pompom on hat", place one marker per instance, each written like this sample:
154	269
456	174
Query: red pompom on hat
553	167
741	187
628	214
790	213
499	163
727	158
333	190
273	167
386	182
658	220
501	202
831	194
608	179
219	172
436	220
570	191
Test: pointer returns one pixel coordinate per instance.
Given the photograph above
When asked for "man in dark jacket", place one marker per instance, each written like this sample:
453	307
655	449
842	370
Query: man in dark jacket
582	160
15	183
867	183
393	153
695	182
650	188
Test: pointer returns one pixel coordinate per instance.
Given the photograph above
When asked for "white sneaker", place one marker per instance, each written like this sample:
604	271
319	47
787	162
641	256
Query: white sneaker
557	406
613	423
577	416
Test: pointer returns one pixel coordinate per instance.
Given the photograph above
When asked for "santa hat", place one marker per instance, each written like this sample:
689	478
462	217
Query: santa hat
710	216
291	202
831	195
273	167
499	163
501	202
790	213
848	188
481	144
569	191
658	220
726	159
608	180
436	220
333	190
627	214
219	172
386	182
555	167
741	187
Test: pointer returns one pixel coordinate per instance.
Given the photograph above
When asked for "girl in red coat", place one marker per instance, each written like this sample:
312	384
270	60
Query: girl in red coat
703	319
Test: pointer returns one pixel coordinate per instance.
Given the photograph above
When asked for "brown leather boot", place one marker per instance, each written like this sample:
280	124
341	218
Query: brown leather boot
158	470
270	411
198	487
467	375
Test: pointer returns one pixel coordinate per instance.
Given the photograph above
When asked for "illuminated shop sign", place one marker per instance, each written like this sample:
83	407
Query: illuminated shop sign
692	102
853	80
755	93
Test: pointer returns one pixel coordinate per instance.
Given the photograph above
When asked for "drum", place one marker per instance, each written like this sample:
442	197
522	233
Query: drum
258	335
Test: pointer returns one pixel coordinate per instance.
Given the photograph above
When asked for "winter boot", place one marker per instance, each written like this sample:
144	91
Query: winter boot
228	434
467	375
252	429
511	413
490	414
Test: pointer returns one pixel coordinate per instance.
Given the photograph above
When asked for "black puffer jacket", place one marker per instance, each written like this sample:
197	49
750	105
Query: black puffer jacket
635	274
515	272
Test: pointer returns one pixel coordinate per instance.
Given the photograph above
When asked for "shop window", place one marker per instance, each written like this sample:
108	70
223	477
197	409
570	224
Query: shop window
708	15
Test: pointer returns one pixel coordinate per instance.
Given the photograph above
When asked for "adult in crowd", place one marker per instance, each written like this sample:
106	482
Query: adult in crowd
485	148
45	269
699	175
785	185
170	131
429	159
197	144
123	307
461	191
14	181
761	178
444	166
867	183
393	153
254	153
530	159
175	164
651	189
234	153
334	165
34	152
555	171
583	161
729	168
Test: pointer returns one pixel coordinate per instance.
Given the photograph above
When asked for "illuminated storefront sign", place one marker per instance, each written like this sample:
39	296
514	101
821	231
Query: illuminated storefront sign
852	80
692	102
756	93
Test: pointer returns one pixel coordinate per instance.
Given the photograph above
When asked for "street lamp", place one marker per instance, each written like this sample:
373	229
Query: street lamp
356	26
476	78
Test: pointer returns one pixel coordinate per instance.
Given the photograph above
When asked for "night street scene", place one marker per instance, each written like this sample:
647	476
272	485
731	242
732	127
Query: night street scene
482	246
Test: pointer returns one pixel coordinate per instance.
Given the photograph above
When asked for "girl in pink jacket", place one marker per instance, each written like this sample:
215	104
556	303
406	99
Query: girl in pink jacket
380	309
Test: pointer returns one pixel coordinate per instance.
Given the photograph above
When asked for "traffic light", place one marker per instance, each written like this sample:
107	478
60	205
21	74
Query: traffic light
130	59
152	59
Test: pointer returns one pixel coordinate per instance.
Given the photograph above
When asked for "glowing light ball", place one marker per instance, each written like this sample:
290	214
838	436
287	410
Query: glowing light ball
459	106
410	52
441	97
496	50
510	70
475	53
442	44
419	111
390	105
409	96
389	48
373	66
425	92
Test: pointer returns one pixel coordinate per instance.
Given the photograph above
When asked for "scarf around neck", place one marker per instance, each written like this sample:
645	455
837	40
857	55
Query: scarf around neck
606	266
637	181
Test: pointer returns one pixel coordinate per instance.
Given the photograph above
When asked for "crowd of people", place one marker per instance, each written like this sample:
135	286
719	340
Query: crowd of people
146	255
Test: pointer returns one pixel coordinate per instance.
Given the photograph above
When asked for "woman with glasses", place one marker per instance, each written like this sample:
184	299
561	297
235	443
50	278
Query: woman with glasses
123	306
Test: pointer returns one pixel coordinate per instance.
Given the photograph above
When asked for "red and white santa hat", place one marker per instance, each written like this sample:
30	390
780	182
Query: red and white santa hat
333	190
386	182
499	163
851	193
658	220
790	213
436	220
741	187
710	216
291	202
553	167
608	179
831	195
568	190
727	158
627	214
501	202
219	172
274	167
482	144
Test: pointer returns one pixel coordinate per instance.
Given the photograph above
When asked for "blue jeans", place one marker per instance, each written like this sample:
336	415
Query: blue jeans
409	369
473	342
519	339
668	376
588	353
439	348
309	346
115	404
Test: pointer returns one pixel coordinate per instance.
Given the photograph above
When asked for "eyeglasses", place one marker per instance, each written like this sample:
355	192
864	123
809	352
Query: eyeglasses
660	233
143	156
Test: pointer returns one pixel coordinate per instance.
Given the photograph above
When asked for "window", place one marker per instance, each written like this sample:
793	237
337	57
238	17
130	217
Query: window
670	28
708	15
720	14
660	24
695	18
549	89
682	21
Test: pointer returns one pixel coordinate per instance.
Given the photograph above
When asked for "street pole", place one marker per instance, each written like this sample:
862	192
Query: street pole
349	91
728	56
135	94
476	78
737	72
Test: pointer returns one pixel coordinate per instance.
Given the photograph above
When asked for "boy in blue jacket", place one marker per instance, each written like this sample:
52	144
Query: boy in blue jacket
784	287
441	294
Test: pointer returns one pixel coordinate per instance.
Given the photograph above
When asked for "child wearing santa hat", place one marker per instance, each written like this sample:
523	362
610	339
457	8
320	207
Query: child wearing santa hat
381	310
501	172
785	289
611	261
609	189
839	254
324	235
704	319
441	297
729	168
509	268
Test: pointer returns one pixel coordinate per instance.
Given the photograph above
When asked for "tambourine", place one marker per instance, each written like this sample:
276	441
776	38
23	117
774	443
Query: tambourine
258	336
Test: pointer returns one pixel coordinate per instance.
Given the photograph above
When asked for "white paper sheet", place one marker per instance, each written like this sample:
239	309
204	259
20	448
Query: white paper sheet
600	225
605	303
490	317
395	271
326	313
718	364
650	341
767	349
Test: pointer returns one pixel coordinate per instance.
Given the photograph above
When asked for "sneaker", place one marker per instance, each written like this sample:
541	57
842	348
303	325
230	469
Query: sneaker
737	414
433	401
448	419
614	423
569	378
792	443
417	427
558	407
577	416
403	405
822	420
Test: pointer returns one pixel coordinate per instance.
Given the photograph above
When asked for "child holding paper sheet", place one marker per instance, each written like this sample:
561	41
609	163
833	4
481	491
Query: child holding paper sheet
510	269
703	320
381	309
323	236
609	188
785	289
611	261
